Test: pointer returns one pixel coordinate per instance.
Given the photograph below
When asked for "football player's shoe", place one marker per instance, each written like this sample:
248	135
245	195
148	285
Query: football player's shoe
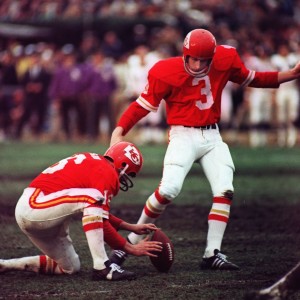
112	272
118	257
217	262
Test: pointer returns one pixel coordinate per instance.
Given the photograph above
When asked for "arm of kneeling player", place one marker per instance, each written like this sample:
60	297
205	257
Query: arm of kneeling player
112	237
116	241
138	228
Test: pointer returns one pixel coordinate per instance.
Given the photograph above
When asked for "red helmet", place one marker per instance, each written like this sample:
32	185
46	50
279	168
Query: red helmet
128	161
200	44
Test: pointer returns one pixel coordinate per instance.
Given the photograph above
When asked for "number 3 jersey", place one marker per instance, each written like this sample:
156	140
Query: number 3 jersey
193	101
81	171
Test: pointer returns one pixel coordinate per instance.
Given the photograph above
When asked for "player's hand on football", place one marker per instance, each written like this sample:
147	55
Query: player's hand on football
144	228
144	247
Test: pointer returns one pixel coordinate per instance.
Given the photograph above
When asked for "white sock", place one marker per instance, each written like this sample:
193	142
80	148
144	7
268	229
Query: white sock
154	207
29	263
93	228
215	235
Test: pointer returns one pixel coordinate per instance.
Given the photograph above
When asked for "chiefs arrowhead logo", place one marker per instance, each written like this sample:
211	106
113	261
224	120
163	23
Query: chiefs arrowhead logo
132	153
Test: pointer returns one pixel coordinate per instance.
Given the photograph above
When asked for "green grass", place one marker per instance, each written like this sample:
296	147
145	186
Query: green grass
263	235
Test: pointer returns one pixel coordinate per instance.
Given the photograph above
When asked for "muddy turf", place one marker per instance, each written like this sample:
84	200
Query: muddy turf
262	237
263	241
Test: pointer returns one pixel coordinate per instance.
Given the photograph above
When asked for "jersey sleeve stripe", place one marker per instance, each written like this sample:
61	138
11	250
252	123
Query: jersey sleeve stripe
145	104
249	78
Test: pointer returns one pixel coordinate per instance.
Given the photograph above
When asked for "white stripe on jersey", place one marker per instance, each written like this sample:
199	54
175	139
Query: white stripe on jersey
145	104
249	78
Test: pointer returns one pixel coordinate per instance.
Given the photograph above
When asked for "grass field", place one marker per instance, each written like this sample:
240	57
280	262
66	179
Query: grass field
263	235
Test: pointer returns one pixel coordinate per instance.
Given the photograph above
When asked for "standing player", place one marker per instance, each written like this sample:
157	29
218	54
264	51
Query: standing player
281	289
83	183
259	100
191	87
287	100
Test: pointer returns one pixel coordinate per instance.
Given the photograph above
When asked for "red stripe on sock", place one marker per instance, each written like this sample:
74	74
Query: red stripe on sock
150	213
221	200
43	264
217	218
161	199
92	226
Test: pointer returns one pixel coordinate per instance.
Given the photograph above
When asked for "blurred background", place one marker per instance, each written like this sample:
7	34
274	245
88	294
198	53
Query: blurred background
68	68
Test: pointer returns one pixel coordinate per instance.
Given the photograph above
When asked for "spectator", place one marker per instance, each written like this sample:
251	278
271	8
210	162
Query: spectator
139	63
66	91
101	87
287	99
8	84
259	100
35	83
112	46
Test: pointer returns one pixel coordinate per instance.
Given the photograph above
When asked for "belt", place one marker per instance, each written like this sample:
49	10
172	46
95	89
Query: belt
211	126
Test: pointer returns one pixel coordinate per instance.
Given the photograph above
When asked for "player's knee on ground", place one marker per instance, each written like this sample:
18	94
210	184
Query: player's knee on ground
73	266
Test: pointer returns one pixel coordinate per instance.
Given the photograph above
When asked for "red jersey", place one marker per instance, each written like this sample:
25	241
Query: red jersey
193	101
82	170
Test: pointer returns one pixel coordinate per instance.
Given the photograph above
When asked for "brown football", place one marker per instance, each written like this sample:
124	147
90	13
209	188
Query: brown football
164	260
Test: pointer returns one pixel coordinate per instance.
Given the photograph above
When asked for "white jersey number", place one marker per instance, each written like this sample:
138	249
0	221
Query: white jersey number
77	158
205	91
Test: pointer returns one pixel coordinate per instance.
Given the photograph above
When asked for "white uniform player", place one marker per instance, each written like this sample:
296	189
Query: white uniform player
139	64
259	101
191	87
287	99
83	183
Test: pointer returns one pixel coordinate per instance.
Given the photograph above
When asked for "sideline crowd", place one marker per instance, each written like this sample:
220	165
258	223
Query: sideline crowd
76	92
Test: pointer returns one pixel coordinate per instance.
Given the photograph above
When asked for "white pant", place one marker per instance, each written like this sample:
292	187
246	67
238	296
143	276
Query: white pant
203	146
48	228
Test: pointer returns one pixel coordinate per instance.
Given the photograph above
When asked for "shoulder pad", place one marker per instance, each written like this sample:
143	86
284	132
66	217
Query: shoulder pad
170	71
224	57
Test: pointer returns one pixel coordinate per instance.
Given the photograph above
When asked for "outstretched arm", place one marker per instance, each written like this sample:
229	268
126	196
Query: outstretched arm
289	75
129	118
117	135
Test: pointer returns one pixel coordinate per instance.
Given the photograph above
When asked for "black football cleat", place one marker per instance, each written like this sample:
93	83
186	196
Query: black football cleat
217	262
112	272
118	257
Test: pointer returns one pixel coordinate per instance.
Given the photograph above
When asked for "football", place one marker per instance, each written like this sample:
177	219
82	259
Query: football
164	260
